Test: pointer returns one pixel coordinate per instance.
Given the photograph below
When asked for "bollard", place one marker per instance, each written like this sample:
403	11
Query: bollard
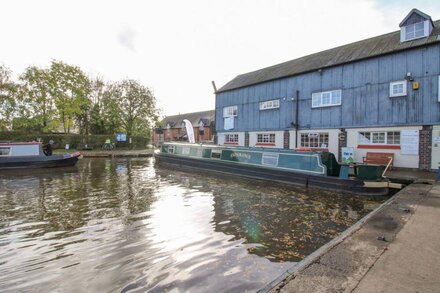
438	173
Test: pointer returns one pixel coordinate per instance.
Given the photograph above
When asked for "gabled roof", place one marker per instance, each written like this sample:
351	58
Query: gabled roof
415	10
369	48
207	117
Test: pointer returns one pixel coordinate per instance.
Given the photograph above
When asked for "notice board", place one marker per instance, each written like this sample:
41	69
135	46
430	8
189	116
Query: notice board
409	142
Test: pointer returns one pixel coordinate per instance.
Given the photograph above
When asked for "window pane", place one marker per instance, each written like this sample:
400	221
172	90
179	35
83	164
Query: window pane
326	98
316	100
4	151
364	138
378	137
336	97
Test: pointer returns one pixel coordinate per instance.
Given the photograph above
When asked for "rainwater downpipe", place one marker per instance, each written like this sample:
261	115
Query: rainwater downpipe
296	118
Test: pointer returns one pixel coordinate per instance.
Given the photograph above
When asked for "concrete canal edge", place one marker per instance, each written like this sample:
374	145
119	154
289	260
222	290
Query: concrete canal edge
341	264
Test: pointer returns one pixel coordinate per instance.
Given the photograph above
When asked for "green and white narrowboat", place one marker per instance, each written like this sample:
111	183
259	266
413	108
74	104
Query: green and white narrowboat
302	168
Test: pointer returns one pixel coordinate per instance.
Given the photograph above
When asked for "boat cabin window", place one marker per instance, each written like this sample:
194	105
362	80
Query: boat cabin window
4	151
171	149
215	154
185	151
269	159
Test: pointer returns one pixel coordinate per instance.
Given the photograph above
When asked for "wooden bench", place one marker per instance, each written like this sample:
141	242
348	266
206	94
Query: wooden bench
379	158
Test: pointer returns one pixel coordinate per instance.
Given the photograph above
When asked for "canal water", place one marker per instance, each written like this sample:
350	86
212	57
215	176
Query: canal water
126	225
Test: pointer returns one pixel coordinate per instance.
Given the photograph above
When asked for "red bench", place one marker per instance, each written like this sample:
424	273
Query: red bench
379	158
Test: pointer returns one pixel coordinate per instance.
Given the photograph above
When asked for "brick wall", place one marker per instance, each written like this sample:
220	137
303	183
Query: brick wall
425	139
286	139
342	143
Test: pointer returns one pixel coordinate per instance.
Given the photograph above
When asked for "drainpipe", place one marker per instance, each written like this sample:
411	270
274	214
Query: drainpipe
296	118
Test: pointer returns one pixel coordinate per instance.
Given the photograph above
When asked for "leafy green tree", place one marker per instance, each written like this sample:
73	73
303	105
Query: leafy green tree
70	88
134	105
97	91
8	90
37	104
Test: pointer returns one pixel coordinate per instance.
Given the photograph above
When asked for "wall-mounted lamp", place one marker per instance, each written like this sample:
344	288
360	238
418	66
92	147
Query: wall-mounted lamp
409	76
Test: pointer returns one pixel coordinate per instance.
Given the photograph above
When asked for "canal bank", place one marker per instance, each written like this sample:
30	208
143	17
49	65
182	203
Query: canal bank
112	153
396	248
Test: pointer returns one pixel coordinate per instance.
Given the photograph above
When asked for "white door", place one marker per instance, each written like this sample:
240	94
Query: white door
435	154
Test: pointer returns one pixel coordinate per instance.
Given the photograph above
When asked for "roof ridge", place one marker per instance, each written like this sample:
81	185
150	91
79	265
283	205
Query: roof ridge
229	86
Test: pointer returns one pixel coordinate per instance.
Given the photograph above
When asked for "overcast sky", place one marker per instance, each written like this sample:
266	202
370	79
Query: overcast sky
177	48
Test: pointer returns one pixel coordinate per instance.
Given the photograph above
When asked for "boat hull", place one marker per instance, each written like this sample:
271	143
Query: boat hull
26	162
283	176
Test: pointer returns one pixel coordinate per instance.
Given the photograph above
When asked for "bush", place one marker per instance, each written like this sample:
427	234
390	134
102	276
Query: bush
75	141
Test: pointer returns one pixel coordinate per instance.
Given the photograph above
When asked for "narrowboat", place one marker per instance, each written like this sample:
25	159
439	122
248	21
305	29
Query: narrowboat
305	168
18	155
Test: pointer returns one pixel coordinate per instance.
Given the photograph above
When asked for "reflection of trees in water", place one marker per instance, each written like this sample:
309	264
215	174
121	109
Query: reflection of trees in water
65	199
279	222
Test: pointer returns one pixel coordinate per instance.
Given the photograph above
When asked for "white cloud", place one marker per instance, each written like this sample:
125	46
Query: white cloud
178	47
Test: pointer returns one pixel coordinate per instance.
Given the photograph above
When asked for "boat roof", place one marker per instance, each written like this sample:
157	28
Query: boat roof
19	143
213	146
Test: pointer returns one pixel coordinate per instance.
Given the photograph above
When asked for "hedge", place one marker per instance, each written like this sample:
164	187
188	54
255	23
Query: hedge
75	141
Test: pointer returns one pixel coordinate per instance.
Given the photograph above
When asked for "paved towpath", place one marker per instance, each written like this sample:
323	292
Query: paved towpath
396	249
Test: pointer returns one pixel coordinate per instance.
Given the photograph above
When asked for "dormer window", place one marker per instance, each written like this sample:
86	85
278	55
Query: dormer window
416	25
415	31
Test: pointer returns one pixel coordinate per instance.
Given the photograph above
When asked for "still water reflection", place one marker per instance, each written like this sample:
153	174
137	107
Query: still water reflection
126	225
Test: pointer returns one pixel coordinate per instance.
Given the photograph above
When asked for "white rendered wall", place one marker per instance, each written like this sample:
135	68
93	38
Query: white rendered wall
404	161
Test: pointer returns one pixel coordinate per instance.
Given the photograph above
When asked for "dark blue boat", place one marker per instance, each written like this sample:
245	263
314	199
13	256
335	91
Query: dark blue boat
303	168
30	155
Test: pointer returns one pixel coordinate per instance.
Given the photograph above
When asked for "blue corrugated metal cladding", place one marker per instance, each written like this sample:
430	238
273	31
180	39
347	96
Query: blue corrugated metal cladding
365	95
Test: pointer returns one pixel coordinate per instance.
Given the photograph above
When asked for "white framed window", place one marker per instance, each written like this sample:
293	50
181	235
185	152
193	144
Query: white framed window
231	138
269	159
216	154
186	151
266	138
230	111
326	99
398	88
314	140
272	104
5	151
415	31
379	137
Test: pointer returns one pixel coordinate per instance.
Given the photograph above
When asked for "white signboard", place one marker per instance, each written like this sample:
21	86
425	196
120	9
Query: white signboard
409	142
229	123
347	155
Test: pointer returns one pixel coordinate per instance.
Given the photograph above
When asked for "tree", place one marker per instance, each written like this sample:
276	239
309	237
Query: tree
97	91
134	105
70	87
8	90
37	104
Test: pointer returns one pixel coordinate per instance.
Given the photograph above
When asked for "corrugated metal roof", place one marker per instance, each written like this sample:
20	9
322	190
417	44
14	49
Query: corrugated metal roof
176	120
373	47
